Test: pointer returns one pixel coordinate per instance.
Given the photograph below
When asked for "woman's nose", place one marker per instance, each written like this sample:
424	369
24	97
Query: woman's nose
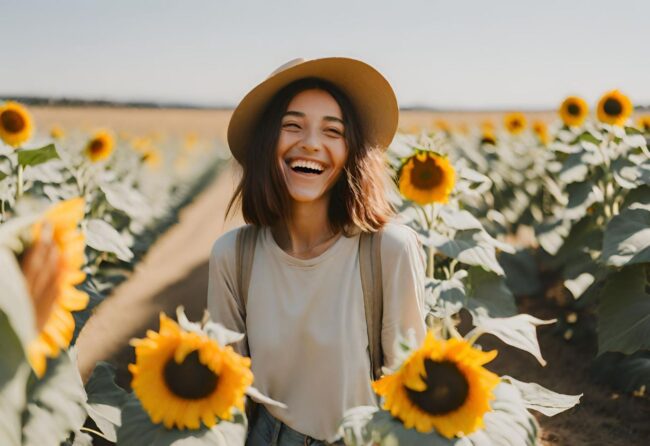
312	141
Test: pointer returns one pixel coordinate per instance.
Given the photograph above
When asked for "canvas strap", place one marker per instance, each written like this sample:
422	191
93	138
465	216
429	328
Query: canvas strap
371	283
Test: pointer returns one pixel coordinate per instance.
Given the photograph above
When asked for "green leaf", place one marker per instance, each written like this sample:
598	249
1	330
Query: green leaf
15	301
489	292
3	175
518	331
626	373
551	234
624	311
34	157
581	197
446	297
126	199
105	400
627	238
522	276
103	237
137	428
630	174
55	406
469	247
508	424
543	400
574	169
459	219
14	372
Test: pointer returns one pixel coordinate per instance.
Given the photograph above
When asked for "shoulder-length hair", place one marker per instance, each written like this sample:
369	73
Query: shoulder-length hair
358	198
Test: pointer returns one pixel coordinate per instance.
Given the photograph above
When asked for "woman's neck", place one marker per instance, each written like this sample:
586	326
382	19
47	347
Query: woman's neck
306	233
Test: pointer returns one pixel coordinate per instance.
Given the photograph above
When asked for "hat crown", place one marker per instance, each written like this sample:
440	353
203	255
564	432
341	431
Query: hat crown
292	63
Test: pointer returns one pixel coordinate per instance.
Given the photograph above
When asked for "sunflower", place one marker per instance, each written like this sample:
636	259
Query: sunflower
56	334
151	157
100	146
182	378
15	124
488	137
644	123
614	108
573	111
57	132
541	130
426	177
515	123
442	386
442	126
487	126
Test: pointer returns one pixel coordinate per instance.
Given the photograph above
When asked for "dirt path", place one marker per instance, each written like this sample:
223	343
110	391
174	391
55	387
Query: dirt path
174	272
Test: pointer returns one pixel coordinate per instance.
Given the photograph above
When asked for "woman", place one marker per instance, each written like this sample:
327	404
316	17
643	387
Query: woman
310	139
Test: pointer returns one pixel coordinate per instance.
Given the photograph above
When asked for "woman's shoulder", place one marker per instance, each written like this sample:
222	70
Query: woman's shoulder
396	238
224	248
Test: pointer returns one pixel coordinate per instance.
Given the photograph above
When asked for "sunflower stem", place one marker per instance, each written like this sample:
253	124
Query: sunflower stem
451	328
19	181
474	335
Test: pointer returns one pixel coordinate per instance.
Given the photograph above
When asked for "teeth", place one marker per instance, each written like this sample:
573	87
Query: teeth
308	164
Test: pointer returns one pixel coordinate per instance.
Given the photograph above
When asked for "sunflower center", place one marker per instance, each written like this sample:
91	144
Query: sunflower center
426	174
488	140
573	109
190	379
613	107
515	124
96	146
12	121
447	388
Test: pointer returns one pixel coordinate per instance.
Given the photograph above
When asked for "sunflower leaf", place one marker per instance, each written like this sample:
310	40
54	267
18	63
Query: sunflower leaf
14	372
55	405
470	247
105	400
517	331
103	237
508	424
33	157
543	400
627	238
137	428
15	301
624	311
221	334
581	197
488	293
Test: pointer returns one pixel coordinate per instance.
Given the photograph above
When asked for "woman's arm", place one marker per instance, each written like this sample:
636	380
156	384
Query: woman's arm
403	282
223	303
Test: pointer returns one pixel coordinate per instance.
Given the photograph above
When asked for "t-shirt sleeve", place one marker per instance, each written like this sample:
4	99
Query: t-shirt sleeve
403	281
222	300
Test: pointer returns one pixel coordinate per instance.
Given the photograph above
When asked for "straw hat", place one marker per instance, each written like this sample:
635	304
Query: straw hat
370	94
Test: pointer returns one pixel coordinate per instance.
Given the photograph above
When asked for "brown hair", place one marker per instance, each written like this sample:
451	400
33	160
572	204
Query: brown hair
358	198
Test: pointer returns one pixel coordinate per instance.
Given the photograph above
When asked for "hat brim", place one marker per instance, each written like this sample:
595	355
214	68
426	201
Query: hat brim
370	94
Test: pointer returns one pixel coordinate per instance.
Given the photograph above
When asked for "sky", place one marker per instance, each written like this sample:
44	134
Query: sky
461	54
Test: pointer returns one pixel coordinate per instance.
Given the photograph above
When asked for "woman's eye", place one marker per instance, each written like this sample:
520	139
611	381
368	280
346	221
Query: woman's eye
290	125
334	130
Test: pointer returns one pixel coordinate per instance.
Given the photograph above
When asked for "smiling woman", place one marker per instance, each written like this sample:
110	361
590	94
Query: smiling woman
310	140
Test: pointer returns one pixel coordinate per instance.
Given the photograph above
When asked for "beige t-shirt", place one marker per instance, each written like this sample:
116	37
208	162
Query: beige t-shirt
306	325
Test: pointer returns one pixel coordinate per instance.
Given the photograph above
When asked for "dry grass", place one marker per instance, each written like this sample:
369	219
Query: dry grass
214	123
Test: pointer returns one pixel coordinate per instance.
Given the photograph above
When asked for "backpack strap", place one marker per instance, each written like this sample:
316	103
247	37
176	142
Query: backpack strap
246	240
371	282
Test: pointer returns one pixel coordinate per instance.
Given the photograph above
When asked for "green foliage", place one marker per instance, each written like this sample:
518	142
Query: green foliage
624	311
34	157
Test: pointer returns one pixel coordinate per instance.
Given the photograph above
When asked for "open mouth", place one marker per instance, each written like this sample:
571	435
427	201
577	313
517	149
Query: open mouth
306	167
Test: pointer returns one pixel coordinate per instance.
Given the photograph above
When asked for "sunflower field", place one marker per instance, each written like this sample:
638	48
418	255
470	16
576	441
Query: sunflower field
507	213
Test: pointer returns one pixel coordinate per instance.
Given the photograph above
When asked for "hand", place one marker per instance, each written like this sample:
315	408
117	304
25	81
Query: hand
40	265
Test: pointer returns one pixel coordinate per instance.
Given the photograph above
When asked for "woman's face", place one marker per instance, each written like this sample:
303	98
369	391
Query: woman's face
311	149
